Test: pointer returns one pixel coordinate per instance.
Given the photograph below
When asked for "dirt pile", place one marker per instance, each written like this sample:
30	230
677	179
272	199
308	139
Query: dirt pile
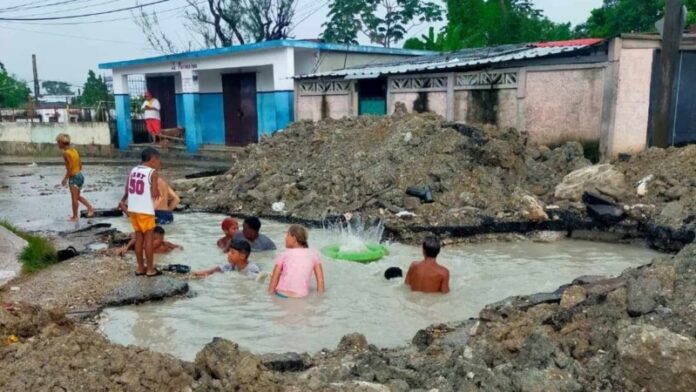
631	333
669	183
314	170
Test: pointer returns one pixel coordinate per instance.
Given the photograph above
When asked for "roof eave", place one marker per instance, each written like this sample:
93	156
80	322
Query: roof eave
329	47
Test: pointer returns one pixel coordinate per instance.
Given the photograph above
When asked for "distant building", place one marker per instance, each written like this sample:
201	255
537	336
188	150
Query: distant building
231	96
585	90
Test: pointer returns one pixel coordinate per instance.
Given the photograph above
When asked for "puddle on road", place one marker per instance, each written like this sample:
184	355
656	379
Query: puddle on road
358	299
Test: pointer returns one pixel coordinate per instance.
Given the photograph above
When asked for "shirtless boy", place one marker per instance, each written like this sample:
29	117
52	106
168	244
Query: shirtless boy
166	203
428	276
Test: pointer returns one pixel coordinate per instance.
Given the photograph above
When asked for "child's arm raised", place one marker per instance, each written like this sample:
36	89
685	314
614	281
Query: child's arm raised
319	275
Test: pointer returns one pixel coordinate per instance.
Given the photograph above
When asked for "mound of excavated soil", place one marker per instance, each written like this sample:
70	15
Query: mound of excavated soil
366	164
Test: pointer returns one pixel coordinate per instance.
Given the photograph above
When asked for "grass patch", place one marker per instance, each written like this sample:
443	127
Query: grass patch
39	252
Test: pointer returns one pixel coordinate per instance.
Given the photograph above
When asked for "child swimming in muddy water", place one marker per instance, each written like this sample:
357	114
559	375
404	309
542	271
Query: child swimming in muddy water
237	260
427	276
159	244
295	266
230	227
73	176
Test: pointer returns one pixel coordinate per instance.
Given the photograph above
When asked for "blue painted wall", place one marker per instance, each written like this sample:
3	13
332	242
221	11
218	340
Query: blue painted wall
123	121
191	104
212	119
180	119
275	110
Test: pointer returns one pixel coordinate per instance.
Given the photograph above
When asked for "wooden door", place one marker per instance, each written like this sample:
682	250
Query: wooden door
239	105
162	88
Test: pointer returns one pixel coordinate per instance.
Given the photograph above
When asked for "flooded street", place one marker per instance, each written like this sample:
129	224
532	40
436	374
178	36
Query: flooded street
358	299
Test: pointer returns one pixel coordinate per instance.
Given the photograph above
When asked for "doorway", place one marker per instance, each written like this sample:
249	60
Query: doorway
162	88
239	107
372	97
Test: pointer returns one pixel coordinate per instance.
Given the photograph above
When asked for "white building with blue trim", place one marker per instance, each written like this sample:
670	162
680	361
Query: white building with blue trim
234	95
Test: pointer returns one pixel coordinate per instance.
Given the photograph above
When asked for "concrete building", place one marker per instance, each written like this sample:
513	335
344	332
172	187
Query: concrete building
587	90
231	96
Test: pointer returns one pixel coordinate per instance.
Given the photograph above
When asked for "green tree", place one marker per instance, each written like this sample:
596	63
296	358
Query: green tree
628	16
478	23
13	92
94	90
384	22
54	87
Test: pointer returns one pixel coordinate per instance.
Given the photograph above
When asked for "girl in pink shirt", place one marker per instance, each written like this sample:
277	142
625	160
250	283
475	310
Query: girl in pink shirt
294	267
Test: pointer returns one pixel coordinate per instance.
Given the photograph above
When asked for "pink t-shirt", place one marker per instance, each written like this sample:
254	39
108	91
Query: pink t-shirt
297	266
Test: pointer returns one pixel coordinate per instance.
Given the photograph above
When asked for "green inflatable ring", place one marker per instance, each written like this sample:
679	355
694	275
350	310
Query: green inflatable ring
373	253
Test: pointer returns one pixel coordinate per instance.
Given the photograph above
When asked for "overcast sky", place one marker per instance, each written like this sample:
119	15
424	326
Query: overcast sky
67	49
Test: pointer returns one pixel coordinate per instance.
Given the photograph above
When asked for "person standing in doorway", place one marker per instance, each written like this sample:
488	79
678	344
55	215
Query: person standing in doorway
151	112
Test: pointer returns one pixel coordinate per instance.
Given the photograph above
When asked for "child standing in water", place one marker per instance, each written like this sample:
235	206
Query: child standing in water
73	176
229	226
141	192
294	267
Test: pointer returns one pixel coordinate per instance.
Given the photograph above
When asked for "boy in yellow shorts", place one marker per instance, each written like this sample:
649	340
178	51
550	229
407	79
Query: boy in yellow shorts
141	192
73	176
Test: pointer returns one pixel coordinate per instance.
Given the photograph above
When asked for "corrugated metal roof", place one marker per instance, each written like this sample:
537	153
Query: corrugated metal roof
462	59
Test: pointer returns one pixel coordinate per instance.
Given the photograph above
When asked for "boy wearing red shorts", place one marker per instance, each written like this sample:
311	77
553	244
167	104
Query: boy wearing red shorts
141	191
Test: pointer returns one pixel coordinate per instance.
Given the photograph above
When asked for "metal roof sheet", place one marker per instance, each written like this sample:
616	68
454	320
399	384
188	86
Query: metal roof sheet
461	59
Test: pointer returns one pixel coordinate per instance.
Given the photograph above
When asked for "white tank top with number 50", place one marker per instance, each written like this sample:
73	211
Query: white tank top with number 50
139	186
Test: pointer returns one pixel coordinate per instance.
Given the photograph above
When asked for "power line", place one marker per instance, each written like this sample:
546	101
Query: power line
94	21
86	15
73	36
30	6
62	10
22	5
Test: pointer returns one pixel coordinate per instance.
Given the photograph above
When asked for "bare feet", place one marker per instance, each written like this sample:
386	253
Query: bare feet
90	212
73	219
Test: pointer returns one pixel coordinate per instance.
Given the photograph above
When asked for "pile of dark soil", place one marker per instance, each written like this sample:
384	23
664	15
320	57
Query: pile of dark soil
315	170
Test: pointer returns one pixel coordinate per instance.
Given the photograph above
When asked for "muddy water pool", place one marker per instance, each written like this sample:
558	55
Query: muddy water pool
358	299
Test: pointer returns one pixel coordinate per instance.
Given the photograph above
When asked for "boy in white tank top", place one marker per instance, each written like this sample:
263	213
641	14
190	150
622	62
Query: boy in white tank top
139	201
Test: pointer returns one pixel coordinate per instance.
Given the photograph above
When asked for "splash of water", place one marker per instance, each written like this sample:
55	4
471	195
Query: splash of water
354	234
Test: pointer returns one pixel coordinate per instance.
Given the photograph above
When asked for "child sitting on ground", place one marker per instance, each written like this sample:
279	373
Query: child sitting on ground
294	267
73	176
229	227
237	260
159	244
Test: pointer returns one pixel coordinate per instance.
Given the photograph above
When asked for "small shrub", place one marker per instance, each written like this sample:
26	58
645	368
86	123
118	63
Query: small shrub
39	252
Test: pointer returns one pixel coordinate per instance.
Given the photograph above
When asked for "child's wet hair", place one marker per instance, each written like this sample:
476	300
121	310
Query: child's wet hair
253	223
393	272
241	246
158	230
63	138
149	153
300	234
431	246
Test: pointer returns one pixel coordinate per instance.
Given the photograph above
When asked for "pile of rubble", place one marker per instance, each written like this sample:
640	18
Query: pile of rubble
317	170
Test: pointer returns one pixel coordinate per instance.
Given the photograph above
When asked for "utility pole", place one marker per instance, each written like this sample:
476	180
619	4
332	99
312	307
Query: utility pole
671	40
36	78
